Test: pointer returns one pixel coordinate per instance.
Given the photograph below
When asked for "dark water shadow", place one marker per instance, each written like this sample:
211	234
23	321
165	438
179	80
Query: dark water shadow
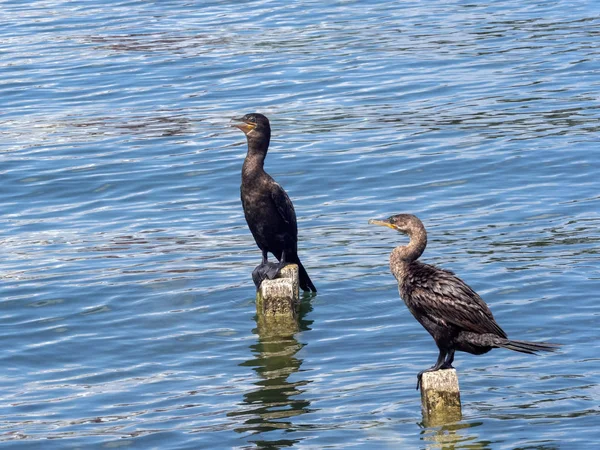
276	399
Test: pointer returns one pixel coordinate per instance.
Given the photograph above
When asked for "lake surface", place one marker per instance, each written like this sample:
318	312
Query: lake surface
127	309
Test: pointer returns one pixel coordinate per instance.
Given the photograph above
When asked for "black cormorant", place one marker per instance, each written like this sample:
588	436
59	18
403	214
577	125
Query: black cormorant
455	316
268	209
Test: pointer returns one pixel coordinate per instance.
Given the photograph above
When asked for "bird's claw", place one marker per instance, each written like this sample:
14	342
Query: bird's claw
431	369
265	271
272	271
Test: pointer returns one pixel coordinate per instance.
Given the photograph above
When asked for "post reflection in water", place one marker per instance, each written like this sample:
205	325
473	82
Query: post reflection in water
276	398
453	435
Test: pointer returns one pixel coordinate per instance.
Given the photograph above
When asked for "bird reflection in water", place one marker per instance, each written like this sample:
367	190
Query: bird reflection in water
276	399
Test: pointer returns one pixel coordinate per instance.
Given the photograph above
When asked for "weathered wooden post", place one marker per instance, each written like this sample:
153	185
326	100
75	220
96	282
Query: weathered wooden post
440	397
277	303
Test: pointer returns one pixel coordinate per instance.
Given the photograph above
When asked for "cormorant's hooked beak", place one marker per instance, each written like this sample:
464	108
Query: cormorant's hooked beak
246	127
383	223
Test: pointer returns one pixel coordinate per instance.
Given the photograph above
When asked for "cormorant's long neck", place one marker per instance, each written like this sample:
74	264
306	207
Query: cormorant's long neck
402	256
257	151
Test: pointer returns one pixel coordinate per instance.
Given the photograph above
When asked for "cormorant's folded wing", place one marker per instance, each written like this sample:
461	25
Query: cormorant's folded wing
284	205
446	299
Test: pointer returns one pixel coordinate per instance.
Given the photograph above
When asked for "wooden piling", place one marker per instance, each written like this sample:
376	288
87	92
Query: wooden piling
440	397
277	303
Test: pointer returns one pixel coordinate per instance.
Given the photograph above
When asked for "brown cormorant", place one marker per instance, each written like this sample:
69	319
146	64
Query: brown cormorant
455	316
268	209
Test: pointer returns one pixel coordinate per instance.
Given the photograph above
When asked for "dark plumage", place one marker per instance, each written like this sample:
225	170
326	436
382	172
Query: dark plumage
268	209
455	316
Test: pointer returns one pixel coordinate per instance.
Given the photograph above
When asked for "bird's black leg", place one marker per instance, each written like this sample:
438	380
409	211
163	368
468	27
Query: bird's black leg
449	359
438	365
264	270
272	269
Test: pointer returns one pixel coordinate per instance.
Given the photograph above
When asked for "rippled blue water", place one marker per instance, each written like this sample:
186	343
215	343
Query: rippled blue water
127	308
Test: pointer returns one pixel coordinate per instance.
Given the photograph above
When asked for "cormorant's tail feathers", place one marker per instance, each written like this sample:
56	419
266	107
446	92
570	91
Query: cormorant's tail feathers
528	347
303	279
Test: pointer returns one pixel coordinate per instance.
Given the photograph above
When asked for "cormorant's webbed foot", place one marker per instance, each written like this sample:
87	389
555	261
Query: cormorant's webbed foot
257	276
444	361
431	369
264	271
271	270
267	270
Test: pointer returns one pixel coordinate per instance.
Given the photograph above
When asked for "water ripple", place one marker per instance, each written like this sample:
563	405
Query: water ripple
127	308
